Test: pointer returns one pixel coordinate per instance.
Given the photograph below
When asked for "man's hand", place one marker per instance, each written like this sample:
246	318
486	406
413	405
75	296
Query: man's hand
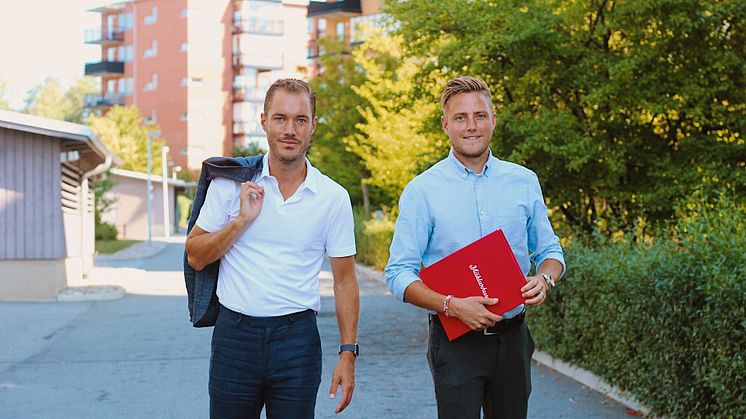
252	198
473	313
535	290
344	375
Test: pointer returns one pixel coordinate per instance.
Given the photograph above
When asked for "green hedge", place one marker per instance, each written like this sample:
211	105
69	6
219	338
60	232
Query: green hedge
665	321
373	239
105	231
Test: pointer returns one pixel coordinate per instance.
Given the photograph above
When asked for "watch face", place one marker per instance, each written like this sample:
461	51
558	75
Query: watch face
353	347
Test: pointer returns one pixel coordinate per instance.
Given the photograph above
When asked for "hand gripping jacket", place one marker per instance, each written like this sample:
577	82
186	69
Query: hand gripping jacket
202	285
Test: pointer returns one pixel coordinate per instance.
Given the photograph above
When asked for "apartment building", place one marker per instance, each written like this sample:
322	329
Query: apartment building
338	18
197	68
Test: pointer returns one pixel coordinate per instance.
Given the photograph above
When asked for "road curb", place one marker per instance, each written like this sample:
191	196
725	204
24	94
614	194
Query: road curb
142	250
91	293
589	380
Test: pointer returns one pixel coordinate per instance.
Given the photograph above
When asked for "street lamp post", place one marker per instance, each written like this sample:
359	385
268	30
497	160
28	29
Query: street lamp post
149	187
164	168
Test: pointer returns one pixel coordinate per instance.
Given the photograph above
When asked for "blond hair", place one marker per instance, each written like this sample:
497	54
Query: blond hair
292	86
463	84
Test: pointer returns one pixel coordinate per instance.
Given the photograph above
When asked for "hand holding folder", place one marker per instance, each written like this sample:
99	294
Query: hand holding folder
486	267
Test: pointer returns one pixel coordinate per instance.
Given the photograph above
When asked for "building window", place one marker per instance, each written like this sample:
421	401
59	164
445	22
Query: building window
111	54
183	47
152	84
152	51
184	116
152	118
184	12
184	81
110	19
111	86
152	18
125	53
125	86
125	21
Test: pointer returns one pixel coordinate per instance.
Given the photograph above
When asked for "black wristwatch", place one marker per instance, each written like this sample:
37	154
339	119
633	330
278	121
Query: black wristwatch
352	347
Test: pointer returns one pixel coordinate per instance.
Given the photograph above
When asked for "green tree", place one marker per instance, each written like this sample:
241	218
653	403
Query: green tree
75	98
124	132
395	140
620	107
47	100
336	109
4	105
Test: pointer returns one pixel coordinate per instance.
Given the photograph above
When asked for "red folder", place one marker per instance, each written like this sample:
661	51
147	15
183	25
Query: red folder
486	267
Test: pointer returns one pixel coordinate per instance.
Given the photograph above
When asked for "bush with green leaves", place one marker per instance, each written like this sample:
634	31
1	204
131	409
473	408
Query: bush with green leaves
373	238
106	231
664	320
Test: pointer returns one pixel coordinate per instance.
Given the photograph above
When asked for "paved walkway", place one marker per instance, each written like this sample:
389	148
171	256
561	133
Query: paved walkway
139	357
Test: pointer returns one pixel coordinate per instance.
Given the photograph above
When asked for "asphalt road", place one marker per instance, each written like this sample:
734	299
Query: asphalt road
139	357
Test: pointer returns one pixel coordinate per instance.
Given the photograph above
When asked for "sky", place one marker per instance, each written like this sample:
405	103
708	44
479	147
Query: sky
44	38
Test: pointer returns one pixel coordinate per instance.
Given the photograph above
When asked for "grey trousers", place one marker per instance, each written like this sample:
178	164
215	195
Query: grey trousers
477	372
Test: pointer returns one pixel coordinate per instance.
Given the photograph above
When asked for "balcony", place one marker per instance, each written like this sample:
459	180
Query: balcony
260	62
247	94
248	128
335	10
257	25
105	69
105	101
105	38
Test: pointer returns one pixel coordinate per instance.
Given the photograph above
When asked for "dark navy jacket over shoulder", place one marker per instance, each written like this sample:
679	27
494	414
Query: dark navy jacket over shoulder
202	285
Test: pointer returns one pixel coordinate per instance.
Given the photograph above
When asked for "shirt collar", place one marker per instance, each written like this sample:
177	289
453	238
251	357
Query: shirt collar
311	182
464	171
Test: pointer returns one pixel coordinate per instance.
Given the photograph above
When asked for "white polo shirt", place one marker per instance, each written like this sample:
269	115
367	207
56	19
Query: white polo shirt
273	268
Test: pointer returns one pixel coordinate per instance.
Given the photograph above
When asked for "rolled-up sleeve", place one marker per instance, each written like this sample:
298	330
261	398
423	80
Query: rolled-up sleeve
411	235
542	242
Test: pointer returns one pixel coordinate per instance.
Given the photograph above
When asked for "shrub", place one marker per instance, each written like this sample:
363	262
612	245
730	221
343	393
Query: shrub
185	208
373	238
665	321
106	231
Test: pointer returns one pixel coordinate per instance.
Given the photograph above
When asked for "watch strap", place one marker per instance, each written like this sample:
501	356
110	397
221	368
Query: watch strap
549	280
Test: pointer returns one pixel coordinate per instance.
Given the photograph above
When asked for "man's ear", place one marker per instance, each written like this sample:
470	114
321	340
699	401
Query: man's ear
264	122
444	123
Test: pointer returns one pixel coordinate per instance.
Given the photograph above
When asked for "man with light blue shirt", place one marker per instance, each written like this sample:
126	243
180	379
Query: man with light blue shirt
460	199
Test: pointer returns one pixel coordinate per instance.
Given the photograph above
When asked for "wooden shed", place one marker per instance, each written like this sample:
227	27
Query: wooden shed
46	205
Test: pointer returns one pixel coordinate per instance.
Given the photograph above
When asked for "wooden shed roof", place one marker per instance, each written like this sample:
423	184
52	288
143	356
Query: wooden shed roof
74	137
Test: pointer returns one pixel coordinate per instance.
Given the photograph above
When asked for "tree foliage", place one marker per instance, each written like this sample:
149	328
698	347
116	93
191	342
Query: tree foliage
75	99
4	105
336	109
395	140
50	101
620	107
124	132
46	99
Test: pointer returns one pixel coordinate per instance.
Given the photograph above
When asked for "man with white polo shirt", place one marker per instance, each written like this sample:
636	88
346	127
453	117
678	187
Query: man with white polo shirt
270	235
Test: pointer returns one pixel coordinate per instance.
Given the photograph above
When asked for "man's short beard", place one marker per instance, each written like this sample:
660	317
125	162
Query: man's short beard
471	155
293	159
290	160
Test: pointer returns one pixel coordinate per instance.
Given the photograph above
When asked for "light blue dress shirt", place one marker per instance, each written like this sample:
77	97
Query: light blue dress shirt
449	206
